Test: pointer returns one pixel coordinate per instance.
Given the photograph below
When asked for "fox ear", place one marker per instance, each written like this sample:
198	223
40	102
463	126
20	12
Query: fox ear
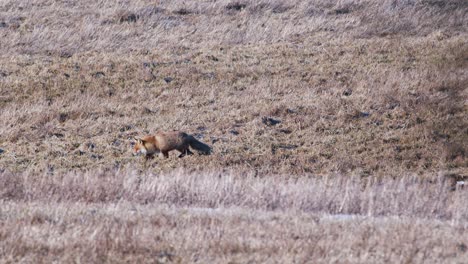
138	140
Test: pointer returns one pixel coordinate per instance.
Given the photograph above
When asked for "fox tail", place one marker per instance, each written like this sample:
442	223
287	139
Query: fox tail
201	147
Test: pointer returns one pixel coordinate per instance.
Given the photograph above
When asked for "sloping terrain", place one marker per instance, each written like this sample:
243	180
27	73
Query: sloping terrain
335	126
368	87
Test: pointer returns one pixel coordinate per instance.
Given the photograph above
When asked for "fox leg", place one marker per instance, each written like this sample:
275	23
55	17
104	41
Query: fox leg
147	157
184	152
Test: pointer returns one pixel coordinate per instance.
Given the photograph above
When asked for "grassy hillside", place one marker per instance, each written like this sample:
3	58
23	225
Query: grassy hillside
334	126
369	87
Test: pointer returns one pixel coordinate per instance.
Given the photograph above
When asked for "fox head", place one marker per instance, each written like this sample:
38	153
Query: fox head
139	147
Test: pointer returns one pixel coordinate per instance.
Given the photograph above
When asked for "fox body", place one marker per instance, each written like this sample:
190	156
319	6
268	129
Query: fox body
163	142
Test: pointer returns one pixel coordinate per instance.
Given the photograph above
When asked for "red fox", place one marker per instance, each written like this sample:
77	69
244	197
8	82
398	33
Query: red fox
163	142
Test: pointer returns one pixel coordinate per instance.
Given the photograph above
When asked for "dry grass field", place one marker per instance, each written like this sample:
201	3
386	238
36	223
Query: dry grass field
180	217
338	130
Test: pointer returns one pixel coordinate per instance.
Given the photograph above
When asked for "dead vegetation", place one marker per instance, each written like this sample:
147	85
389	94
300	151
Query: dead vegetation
127	216
348	94
291	95
335	194
126	232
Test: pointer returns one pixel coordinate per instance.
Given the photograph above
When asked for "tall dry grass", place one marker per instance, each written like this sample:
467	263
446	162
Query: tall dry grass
129	216
408	196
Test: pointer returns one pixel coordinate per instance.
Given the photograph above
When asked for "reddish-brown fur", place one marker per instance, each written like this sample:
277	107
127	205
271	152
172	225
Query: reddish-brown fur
163	142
